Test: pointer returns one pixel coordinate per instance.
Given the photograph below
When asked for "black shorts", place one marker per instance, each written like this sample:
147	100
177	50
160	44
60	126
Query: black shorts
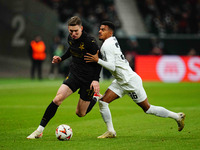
84	87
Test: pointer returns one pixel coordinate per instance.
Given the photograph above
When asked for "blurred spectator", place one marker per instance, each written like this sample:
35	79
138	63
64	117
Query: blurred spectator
130	57
37	53
192	52
156	51
157	46
56	49
133	44
132	51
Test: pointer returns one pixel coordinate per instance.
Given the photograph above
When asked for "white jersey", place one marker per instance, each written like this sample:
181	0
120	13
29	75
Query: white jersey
115	62
126	80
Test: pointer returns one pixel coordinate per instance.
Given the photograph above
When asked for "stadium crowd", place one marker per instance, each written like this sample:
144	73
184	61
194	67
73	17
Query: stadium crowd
171	16
91	12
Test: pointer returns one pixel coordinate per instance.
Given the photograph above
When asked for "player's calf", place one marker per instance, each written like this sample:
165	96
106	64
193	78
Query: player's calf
95	98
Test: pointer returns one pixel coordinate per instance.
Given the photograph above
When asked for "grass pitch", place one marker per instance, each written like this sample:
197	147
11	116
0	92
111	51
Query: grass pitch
23	102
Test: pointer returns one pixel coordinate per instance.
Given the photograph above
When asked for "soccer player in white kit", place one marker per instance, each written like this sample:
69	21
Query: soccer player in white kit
126	81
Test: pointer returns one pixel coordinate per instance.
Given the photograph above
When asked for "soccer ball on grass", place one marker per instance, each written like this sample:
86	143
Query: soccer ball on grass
64	132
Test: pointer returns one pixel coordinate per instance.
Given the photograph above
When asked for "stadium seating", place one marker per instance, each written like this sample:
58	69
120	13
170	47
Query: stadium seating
171	17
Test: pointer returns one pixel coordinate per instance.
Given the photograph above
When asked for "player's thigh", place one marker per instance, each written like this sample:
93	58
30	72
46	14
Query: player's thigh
113	92
86	96
63	92
109	96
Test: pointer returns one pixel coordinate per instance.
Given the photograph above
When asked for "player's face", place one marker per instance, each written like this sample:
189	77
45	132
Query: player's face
104	32
75	31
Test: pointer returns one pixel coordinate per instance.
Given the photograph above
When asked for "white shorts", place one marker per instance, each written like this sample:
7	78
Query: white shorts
133	88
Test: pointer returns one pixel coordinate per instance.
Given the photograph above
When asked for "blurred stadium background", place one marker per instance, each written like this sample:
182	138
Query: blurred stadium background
160	38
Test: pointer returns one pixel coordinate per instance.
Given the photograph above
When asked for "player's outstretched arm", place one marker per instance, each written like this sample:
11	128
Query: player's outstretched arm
109	64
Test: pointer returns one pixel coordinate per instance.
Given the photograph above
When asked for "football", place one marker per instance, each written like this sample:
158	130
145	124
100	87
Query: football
64	132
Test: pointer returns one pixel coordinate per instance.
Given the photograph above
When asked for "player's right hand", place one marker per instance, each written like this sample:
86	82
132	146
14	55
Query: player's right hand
91	58
56	60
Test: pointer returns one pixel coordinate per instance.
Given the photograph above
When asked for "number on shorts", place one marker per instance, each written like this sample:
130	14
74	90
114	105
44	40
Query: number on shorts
133	95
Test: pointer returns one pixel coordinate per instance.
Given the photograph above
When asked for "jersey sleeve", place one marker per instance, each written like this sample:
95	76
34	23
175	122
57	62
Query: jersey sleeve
108	60
66	55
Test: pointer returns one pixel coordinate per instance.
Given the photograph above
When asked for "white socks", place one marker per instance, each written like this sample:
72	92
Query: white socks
106	115
154	110
40	128
162	112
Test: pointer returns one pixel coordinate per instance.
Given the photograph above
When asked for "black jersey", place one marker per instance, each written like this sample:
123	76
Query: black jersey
85	72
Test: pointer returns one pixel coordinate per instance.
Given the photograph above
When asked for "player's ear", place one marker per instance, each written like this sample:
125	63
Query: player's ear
81	28
111	33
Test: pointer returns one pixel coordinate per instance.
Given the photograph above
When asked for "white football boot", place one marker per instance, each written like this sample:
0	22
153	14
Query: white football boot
35	135
180	121
108	134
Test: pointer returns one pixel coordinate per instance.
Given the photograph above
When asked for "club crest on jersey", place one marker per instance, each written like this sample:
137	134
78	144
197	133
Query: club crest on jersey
81	46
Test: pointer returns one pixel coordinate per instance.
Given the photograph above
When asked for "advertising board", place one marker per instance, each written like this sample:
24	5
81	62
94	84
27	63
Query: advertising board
168	68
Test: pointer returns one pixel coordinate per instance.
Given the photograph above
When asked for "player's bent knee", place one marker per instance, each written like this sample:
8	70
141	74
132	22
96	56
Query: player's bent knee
58	100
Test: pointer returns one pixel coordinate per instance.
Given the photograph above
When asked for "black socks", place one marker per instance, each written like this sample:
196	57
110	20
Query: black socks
52	108
92	103
49	113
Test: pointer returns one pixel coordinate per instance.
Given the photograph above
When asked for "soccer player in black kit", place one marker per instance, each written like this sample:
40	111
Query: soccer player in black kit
83	76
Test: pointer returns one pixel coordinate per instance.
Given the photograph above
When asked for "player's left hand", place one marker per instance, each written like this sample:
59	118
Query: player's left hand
91	58
95	85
